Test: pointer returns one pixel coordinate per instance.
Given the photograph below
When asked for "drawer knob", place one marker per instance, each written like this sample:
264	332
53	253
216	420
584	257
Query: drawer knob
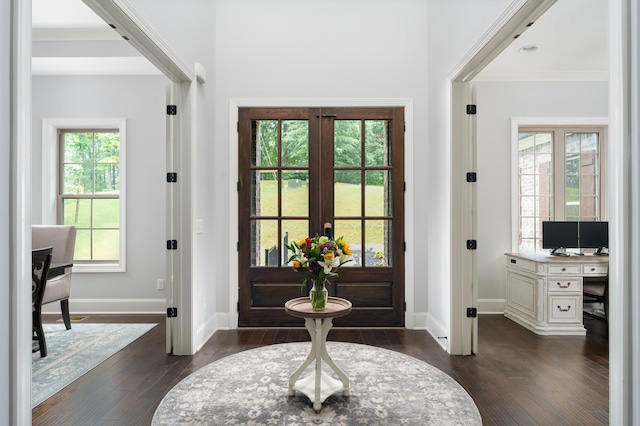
564	269
593	269
563	286
564	310
513	261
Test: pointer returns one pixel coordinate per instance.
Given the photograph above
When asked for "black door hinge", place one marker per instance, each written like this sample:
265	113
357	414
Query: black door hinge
238	246
472	177
172	177
472	244
238	307
172	312
404	305
404	246
471	109
172	244
172	109
472	312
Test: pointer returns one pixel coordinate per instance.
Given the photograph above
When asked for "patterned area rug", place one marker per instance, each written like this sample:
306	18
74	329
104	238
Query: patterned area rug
251	388
71	353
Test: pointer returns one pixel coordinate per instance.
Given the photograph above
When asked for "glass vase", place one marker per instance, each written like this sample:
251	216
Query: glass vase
318	295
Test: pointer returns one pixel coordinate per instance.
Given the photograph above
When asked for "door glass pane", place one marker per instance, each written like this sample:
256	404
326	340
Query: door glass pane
295	143
264	243
351	232
292	230
377	196
347	138
376	143
377	243
264	193
264	143
347	193
295	193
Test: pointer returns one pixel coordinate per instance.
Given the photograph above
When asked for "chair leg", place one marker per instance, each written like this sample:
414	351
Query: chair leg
64	305
39	332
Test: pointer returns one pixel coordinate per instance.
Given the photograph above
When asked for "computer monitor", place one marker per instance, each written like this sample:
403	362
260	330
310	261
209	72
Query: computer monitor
559	236
594	235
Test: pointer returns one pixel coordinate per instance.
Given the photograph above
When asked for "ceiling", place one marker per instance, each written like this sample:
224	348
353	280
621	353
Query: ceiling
571	40
70	39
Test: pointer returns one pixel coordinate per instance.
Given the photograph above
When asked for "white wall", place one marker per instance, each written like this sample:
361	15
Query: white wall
287	49
141	100
330	49
454	27
5	224
498	102
188	28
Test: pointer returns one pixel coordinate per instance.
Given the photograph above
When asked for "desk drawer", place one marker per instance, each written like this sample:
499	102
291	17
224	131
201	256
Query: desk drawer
565	309
565	285
594	268
564	269
526	265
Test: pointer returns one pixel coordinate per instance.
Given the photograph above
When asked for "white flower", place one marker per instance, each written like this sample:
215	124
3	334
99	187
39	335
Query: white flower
329	264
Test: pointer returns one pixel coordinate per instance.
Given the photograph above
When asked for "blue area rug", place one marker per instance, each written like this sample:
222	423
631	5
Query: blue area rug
251	388
71	353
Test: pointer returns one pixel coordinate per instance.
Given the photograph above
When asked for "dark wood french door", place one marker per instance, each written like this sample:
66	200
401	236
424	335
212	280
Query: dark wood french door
301	168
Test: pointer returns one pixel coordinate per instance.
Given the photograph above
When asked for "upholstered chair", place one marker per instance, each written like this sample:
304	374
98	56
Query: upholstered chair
63	240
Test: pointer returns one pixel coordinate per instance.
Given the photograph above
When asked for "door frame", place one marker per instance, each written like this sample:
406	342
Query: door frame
234	104
463	271
181	143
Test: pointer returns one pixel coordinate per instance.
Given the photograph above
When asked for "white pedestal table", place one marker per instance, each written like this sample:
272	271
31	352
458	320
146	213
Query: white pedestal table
318	386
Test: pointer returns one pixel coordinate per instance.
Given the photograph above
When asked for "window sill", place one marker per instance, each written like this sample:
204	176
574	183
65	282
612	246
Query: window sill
98	267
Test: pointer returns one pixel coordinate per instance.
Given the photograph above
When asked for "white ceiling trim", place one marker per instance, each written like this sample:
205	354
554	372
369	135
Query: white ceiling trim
544	76
74	34
93	66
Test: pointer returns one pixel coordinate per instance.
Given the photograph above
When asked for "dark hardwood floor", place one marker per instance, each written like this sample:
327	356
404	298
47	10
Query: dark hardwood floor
517	377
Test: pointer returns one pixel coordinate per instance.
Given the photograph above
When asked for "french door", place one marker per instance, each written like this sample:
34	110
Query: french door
302	170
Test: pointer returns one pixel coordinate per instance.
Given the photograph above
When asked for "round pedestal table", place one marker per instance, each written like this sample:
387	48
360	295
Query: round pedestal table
318	386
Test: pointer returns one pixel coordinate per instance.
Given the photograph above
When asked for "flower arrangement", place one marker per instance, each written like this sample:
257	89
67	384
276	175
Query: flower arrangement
319	258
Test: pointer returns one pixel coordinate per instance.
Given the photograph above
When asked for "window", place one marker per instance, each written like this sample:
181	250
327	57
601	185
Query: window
560	177
89	192
83	184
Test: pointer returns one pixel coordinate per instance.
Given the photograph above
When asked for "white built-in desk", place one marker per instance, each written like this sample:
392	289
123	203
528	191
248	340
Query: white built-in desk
544	293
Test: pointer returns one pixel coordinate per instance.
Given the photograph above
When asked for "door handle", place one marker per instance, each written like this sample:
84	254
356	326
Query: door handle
328	230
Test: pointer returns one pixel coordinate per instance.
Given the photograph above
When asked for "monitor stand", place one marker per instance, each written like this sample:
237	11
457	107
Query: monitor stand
599	252
559	251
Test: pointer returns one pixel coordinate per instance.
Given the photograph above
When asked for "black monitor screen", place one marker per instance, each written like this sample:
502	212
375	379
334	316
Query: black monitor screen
559	234
594	234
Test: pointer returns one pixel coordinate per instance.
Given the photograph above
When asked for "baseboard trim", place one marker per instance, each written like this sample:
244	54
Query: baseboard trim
491	306
438	332
110	306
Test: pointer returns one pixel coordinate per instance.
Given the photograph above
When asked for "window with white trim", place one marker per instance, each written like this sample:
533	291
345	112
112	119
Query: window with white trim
560	177
84	184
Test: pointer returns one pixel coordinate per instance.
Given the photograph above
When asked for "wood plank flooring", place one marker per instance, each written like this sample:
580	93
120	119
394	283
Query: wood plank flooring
517	377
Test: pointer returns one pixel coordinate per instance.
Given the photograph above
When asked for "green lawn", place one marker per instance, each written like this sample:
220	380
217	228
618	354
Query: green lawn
295	203
347	203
